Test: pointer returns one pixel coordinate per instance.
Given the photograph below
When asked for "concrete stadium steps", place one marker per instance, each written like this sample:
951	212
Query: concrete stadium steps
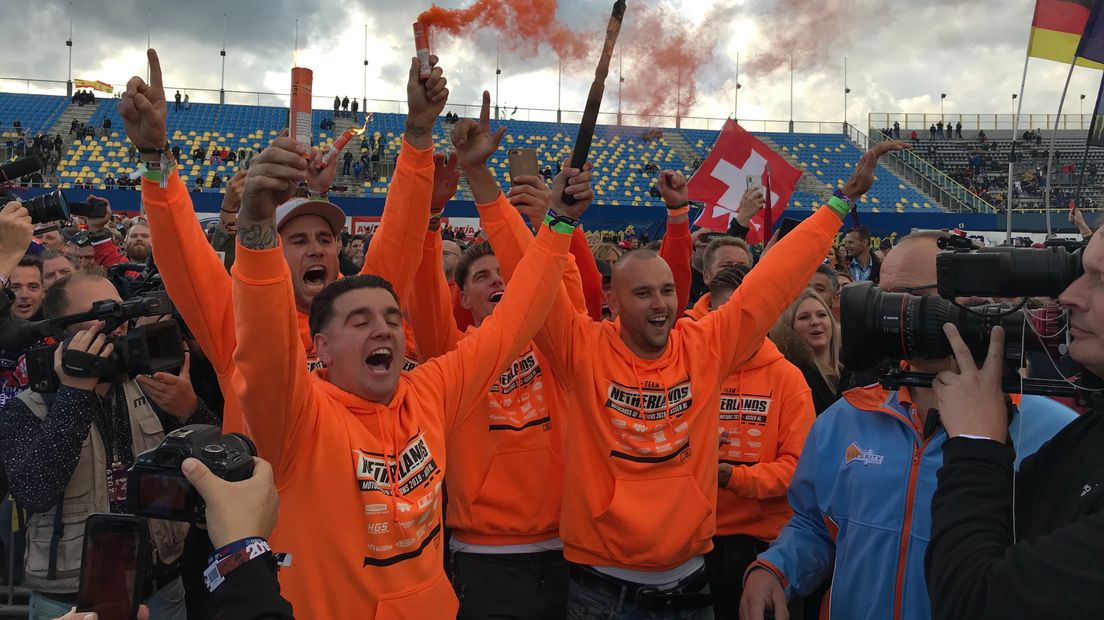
80	113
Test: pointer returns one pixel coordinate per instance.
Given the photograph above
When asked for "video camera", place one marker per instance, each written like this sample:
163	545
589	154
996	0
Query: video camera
156	487
142	350
47	207
880	327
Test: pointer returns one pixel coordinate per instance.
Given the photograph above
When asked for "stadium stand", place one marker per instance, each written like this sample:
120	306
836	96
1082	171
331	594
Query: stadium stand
621	155
36	113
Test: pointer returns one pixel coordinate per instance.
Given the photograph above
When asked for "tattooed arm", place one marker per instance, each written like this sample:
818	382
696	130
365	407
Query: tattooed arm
271	182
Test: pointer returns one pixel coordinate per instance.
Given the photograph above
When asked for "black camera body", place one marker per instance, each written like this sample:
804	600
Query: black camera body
156	488
879	326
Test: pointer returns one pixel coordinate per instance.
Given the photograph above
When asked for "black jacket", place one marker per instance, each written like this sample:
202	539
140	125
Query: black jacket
1055	567
251	592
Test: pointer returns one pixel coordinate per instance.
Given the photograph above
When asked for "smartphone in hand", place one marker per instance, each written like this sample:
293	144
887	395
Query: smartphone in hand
114	564
523	162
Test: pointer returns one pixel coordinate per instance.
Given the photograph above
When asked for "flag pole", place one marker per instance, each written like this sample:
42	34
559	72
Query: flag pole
1053	141
1012	154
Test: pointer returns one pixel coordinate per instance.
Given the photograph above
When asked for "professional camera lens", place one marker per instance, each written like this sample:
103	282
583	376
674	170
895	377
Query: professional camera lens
48	207
1007	272
876	325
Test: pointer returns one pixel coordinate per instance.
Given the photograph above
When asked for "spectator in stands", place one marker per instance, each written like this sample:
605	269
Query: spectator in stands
18	127
358	169
176	106
198	154
939	129
337	105
355	107
932	131
345	105
982	138
55	266
863	265
896	130
958	129
348	159
187	102
197	184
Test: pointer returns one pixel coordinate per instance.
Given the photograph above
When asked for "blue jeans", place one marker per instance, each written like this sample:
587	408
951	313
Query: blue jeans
165	604
587	604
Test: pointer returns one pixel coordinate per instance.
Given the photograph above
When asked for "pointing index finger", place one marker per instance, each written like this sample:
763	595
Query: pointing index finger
155	68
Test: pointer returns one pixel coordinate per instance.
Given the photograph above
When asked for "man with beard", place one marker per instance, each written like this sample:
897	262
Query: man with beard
138	244
308	227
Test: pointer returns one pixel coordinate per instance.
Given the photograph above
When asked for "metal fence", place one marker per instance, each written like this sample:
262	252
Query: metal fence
974	122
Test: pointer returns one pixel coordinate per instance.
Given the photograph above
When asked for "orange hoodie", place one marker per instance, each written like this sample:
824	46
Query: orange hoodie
640	483
360	482
204	302
766	411
505	476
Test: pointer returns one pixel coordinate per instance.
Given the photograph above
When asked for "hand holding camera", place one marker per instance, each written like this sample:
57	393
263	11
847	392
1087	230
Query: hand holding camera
236	510
87	343
99	222
16	231
172	393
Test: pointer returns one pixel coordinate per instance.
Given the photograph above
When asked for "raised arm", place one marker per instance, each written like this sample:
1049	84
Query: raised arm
735	330
104	249
182	248
460	378
396	255
431	311
677	246
273	383
589	276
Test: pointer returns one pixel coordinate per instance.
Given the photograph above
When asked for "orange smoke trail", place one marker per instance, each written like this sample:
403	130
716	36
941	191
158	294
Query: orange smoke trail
523	25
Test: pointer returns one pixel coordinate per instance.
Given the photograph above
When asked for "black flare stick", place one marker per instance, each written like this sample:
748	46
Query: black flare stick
594	99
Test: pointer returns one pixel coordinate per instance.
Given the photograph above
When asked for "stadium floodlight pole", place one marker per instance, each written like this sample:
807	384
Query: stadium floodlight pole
594	98
559	93
942	98
621	80
1082	110
498	72
222	52
69	44
1053	140
364	80
846	91
791	94
736	107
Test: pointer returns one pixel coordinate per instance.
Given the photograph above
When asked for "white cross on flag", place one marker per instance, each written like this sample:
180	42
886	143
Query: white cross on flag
722	178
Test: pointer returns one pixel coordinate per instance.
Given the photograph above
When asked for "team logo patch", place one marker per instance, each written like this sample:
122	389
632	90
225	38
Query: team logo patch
866	457
414	466
649	402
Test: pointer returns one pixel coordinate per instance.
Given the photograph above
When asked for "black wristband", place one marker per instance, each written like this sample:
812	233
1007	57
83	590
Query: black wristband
553	218
146	151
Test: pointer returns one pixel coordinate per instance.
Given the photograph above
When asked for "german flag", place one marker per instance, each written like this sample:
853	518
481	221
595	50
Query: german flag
1056	30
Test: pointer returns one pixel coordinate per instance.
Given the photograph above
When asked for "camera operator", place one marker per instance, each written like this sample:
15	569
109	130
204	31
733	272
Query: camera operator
1029	545
863	487
67	454
237	512
55	266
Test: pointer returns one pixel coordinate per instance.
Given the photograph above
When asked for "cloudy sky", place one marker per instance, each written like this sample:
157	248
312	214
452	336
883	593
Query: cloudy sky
900	54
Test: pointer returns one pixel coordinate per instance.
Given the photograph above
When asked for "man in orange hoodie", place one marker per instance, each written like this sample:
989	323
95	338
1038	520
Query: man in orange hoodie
359	447
766	411
505	474
310	227
641	448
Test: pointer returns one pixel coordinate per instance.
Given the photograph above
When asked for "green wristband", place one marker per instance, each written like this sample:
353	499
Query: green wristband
155	175
560	223
841	208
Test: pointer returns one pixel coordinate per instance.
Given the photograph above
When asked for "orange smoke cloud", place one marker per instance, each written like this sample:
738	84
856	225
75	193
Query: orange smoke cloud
524	25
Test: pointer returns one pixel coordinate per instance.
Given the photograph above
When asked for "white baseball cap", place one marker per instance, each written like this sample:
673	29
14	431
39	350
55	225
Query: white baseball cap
305	206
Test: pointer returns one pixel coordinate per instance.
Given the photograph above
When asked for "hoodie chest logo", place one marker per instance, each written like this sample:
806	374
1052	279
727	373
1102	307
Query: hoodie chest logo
744	408
414	466
521	373
649	401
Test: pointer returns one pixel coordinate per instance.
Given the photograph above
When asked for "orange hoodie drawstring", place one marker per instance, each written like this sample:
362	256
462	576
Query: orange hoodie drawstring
391	473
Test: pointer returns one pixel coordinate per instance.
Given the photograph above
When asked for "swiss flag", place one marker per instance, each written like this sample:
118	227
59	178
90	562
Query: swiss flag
721	180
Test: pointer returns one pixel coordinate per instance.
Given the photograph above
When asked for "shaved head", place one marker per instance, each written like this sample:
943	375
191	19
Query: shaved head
643	298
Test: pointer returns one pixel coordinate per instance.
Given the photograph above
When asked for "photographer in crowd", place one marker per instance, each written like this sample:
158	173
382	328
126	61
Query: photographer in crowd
863	488
236	512
67	454
1027	545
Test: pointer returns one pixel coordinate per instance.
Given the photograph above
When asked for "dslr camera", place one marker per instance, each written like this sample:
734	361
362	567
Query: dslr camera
880	328
142	350
156	488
